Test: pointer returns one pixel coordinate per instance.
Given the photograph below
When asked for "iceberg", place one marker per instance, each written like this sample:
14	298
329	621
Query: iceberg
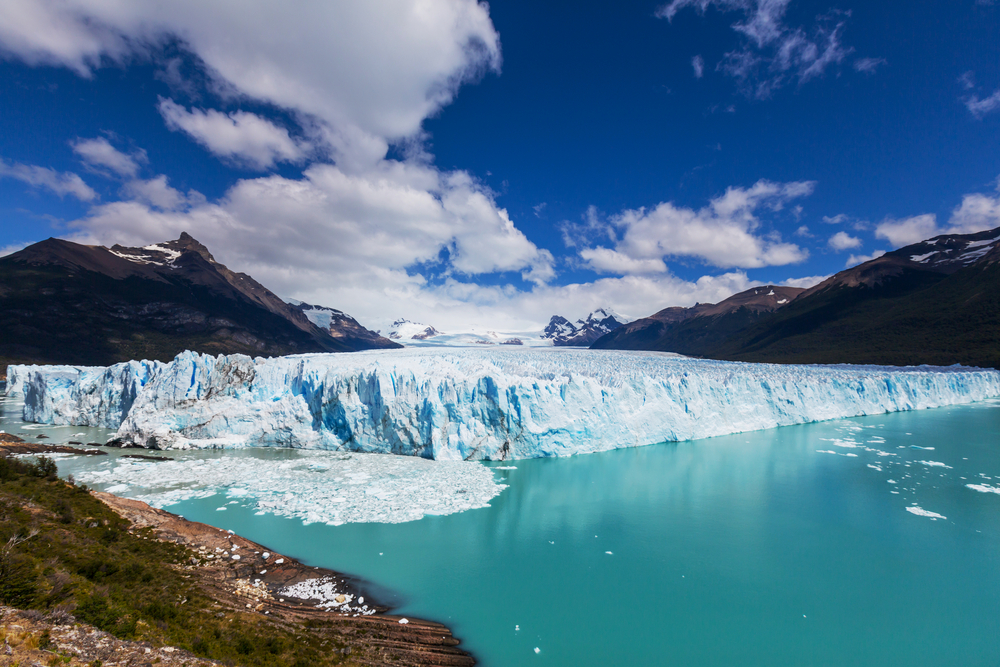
473	404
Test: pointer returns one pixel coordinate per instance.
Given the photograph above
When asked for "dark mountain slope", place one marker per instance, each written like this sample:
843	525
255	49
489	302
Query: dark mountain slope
913	319
695	330
62	302
933	302
344	328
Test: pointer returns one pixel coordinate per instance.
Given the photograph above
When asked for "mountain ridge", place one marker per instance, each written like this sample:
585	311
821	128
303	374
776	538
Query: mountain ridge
65	302
932	302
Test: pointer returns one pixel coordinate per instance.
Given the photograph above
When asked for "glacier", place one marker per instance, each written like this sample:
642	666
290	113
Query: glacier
471	404
79	395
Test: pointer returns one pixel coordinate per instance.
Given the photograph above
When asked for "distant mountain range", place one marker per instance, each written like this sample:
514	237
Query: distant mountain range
934	302
403	329
64	302
585	330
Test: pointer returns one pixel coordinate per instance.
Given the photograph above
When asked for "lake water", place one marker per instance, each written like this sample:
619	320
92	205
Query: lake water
792	546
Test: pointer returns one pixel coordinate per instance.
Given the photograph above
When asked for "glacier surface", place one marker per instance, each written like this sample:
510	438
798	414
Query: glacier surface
455	404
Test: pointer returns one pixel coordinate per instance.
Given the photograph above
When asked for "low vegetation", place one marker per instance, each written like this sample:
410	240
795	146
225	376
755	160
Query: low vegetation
62	551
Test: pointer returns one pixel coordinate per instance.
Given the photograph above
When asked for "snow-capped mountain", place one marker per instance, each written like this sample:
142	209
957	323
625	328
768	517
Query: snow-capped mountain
585	330
64	302
403	330
342	326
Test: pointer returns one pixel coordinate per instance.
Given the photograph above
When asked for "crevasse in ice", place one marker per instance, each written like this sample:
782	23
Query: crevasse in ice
473	403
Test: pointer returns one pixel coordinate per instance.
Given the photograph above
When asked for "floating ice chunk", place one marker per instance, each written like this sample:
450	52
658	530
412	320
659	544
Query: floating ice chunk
984	488
279	561
506	468
825	451
934	516
117	488
403	621
538	650
265	555
373	488
934	464
919	447
892	481
219	509
609	553
875	467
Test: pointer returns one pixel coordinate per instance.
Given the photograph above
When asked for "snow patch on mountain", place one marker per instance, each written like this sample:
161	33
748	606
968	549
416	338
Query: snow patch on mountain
585	330
404	330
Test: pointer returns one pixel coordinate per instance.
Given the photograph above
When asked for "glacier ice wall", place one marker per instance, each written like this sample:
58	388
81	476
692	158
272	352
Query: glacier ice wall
80	395
477	403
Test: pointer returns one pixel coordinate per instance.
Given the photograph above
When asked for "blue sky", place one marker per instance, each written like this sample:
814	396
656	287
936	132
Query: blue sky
473	166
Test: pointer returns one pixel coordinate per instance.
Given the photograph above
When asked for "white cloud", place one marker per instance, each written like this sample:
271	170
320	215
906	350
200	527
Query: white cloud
240	137
157	193
835	219
61	183
854	260
804	232
976	213
980	107
606	260
843	241
333	228
773	53
698	65
722	233
100	155
12	248
805	282
908	230
369	73
869	65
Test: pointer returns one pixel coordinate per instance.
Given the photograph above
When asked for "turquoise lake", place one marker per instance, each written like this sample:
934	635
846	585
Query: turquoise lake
792	546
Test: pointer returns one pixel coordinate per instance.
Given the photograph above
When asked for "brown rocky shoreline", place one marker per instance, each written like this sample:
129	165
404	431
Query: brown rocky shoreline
241	577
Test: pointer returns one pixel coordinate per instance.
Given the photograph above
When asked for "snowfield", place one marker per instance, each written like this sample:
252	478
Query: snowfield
478	404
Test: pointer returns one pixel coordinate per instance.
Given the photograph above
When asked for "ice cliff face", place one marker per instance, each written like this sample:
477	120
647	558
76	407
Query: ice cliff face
80	395
474	403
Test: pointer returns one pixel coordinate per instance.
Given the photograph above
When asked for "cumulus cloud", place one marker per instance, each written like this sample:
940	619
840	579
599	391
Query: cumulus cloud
333	227
772	53
908	230
370	76
805	282
854	260
157	193
61	183
240	137
722	234
843	241
101	156
977	212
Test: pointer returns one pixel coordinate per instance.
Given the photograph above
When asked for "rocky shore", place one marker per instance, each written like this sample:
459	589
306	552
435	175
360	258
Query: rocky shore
243	581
